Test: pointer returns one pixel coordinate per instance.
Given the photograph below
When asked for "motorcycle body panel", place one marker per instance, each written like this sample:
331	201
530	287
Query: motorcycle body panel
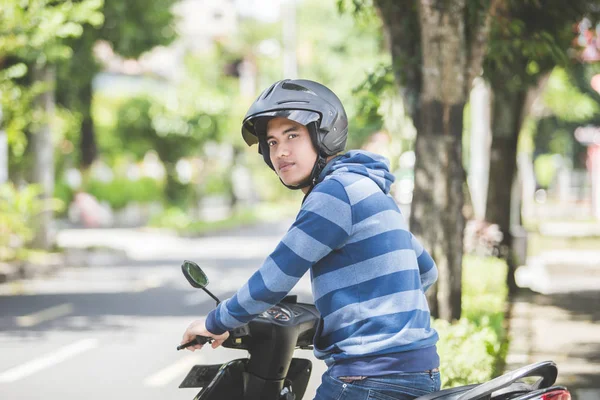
232	381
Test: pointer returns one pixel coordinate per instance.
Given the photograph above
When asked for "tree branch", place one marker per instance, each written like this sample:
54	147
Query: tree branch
478	42
402	34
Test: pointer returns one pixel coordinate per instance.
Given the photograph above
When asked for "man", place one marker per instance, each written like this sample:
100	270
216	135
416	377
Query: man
369	274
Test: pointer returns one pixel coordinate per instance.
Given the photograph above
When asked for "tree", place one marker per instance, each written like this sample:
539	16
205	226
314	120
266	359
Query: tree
527	40
34	36
131	28
437	49
145	124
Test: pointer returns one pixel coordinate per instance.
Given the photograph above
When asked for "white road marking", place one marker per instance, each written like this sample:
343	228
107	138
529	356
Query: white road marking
30	320
166	375
150	282
48	360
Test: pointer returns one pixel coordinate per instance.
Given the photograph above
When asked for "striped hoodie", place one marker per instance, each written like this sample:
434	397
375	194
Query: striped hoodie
369	274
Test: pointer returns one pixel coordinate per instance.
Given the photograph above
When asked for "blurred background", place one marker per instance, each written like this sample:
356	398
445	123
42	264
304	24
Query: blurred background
121	155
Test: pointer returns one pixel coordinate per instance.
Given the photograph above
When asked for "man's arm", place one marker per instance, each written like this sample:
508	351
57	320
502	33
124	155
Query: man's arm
323	224
427	268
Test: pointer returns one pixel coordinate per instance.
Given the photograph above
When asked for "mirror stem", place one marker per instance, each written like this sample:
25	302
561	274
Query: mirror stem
212	295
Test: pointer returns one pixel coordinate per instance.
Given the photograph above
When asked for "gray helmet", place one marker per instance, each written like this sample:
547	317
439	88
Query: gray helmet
306	102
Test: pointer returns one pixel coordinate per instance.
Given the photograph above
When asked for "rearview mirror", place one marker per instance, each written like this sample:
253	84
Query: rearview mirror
194	274
196	277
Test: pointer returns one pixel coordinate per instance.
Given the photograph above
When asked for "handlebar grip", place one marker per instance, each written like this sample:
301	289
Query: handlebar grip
199	340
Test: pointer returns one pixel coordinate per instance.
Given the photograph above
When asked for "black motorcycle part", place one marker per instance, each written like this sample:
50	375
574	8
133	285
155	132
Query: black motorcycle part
200	376
269	334
546	370
256	387
231	381
226	383
298	376
198	340
502	385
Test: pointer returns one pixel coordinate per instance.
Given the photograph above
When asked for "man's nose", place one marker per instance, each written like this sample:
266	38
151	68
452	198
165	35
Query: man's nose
282	150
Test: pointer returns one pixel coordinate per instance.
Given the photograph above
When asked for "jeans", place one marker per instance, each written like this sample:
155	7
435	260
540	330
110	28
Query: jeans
401	386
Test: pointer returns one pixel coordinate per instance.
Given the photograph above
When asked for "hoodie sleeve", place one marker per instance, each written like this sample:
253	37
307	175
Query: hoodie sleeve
427	268
323	224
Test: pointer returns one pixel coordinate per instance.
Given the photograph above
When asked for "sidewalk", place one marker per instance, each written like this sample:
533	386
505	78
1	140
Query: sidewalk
557	317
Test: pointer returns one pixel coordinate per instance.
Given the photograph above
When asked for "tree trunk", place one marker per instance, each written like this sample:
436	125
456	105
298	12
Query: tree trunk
88	147
507	119
43	171
402	34
434	64
439	175
438	199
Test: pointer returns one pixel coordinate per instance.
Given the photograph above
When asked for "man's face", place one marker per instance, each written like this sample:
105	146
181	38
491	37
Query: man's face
291	150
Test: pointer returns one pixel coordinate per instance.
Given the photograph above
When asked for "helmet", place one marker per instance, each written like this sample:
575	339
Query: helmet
308	103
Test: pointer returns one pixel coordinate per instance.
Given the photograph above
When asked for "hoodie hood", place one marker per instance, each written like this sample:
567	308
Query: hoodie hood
371	165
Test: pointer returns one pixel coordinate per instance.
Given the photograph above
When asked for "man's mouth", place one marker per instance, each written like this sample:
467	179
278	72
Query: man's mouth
285	166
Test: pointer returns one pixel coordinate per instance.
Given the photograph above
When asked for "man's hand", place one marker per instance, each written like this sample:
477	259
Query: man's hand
199	328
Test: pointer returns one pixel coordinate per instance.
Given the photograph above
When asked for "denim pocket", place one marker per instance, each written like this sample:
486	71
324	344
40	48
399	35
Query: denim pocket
394	395
405	386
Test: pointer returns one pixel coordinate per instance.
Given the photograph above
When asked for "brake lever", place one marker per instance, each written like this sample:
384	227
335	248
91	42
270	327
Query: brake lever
199	340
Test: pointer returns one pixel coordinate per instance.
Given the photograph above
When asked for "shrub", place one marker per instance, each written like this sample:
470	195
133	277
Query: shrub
472	349
121	191
18	210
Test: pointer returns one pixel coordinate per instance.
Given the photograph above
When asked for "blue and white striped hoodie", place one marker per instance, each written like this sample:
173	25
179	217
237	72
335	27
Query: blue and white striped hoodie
369	274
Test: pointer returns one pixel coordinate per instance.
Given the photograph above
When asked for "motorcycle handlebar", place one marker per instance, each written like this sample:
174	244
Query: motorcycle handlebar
198	340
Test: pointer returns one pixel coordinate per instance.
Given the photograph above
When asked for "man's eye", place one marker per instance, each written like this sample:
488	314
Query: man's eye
271	143
292	135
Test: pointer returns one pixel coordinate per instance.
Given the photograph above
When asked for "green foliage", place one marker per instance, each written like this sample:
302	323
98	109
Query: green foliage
484	291
545	169
571	104
130	28
216	183
18	210
349	59
566	100
135	26
34	32
467	352
118	192
369	95
64	193
528	39
145	124
472	348
177	219
121	191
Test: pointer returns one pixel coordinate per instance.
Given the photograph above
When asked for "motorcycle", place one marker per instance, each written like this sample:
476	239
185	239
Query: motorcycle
271	372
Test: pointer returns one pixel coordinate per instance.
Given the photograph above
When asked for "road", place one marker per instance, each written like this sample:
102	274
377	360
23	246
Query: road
109	329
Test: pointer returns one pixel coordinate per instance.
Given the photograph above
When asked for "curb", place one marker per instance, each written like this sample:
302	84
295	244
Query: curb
50	263
16	270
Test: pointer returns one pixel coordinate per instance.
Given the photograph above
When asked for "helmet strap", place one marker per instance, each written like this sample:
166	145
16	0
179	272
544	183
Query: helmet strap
311	180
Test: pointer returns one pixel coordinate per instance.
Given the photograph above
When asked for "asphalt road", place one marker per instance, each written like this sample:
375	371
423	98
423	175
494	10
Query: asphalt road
110	329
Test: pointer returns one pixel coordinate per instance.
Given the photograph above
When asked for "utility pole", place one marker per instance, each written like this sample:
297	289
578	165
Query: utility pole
3	151
481	141
44	156
288	17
